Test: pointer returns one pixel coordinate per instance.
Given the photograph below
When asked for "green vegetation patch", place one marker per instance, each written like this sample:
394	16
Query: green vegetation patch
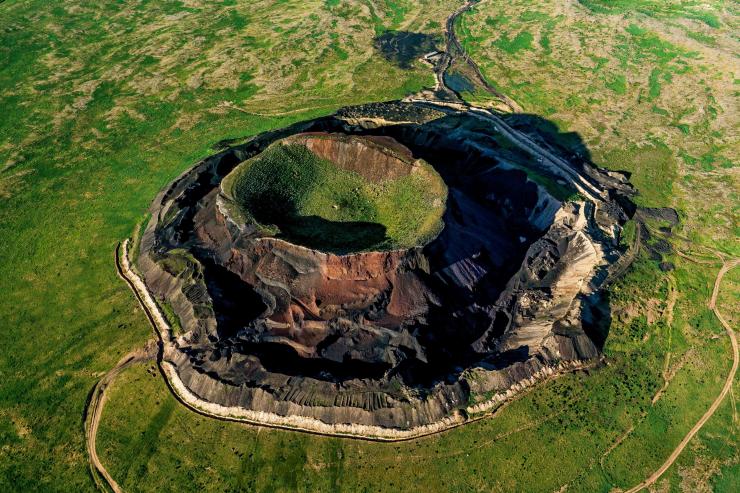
522	41
653	170
618	85
670	9
290	192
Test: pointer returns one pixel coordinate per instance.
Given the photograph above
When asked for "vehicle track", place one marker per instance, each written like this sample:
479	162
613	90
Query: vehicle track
94	411
454	50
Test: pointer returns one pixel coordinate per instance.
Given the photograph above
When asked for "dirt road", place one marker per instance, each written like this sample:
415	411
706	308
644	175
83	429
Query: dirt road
455	50
95	409
558	165
725	389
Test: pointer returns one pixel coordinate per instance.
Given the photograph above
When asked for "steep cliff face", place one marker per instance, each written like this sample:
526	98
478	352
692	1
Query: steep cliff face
398	338
376	158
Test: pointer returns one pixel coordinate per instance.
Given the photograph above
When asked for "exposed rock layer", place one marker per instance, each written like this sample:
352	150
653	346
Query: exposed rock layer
376	158
395	339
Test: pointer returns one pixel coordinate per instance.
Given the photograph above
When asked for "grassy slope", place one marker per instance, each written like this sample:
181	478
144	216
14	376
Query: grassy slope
103	104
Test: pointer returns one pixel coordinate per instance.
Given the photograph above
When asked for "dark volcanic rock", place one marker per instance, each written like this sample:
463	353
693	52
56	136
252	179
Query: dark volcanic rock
403	47
397	338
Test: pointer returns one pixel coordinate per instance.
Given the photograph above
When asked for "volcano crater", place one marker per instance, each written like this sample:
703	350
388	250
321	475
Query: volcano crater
337	193
392	266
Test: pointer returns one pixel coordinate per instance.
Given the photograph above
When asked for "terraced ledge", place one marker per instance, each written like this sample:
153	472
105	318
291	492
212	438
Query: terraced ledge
304	424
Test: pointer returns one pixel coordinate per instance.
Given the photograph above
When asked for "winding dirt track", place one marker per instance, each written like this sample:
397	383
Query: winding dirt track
94	411
725	389
455	49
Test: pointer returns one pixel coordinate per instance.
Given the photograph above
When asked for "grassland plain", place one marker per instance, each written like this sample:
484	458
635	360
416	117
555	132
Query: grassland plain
105	103
587	433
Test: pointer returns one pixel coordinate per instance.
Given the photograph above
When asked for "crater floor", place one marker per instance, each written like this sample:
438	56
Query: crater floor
337	193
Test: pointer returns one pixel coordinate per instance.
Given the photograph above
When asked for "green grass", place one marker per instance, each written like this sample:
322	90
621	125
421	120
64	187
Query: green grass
653	168
659	8
618	85
171	317
312	201
522	41
135	245
104	103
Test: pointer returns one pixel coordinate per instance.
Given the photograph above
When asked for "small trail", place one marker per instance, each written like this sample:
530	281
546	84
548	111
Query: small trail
695	260
725	389
94	411
442	61
455	49
616	444
668	374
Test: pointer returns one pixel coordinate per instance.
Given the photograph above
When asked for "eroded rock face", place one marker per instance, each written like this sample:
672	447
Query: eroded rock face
398	338
374	157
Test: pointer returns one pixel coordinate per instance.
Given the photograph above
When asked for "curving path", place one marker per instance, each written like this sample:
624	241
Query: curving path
725	389
454	49
94	411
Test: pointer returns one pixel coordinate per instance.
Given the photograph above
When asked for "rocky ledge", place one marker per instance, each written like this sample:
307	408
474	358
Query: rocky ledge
508	292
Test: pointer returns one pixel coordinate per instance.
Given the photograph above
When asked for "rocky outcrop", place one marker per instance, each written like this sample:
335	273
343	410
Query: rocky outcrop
396	339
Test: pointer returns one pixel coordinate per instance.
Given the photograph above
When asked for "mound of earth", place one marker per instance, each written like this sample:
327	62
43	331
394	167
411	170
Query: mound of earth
389	266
